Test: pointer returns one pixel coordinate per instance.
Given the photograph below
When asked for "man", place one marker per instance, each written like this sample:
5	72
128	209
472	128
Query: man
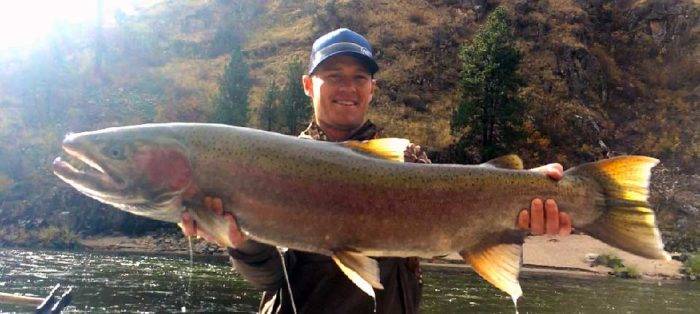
340	83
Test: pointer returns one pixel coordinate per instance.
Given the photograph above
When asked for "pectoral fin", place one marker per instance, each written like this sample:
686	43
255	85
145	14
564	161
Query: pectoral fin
498	264
511	161
384	148
363	271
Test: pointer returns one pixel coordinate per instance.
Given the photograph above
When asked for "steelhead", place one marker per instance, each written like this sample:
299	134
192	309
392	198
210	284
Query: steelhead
355	200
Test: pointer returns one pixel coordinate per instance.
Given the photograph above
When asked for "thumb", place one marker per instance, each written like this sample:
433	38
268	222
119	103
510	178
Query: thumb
188	225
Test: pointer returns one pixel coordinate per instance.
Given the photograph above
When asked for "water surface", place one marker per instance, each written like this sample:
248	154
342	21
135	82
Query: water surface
135	282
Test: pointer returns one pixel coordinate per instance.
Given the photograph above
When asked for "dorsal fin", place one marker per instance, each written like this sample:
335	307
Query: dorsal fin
499	265
511	161
384	148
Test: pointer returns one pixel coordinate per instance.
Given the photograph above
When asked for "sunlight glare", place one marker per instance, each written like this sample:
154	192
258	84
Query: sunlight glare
23	23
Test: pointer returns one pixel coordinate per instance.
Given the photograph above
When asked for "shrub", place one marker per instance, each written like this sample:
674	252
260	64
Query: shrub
691	266
618	268
57	238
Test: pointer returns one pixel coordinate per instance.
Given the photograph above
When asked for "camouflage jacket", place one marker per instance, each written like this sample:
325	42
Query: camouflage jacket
368	131
317	284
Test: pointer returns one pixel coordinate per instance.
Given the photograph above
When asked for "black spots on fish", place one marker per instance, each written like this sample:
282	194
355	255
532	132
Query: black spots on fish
424	180
263	155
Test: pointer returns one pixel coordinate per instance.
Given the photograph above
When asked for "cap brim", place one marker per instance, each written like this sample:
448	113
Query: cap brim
349	49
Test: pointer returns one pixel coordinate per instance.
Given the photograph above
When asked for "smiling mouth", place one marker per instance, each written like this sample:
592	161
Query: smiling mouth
346	103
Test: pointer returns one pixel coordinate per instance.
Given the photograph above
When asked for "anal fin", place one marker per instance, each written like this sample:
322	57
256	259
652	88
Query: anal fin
363	271
499	265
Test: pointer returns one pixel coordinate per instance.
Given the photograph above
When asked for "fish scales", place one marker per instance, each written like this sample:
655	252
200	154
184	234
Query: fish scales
367	194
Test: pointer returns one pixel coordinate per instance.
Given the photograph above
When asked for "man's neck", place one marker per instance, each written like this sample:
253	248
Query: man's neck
335	134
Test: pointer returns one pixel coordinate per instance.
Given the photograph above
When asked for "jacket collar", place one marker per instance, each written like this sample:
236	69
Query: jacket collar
367	131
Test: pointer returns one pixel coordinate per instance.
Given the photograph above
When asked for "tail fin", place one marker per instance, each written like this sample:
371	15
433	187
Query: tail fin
627	221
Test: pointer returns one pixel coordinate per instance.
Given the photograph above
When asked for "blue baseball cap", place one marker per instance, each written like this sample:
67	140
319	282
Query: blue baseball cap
342	41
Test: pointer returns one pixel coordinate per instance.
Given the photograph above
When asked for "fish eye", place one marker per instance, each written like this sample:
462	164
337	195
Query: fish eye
114	152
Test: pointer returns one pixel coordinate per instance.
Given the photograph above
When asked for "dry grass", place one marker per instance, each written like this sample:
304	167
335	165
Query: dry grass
403	33
296	32
197	76
431	129
560	7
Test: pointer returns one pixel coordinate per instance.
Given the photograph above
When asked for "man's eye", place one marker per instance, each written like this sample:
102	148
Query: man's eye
361	79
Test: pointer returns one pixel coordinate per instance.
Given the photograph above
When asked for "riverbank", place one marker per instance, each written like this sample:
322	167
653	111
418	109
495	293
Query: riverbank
575	255
570	255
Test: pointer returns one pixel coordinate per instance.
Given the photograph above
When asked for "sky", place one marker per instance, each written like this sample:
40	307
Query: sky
24	23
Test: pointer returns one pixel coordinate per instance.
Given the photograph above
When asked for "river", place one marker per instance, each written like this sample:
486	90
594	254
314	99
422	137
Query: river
111	282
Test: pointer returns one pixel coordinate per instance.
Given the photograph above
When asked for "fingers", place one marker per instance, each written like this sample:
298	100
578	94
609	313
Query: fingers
523	219
551	217
208	238
234	234
218	206
215	204
207	203
189	228
554	171
188	225
544	218
537	217
564	224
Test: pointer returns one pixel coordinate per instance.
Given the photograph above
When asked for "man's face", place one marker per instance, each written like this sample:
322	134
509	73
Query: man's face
341	90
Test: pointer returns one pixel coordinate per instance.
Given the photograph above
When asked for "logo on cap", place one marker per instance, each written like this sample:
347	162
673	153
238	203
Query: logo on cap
365	51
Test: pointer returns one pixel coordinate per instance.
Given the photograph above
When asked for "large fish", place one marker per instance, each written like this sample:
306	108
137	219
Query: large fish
355	200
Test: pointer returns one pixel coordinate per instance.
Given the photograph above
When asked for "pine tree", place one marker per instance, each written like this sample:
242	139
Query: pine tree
490	114
232	103
295	104
269	109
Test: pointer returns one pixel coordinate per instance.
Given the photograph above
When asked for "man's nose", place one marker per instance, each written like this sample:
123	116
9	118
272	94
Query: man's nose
346	83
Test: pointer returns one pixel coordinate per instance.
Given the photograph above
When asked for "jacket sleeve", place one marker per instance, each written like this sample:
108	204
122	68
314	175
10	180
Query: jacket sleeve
260	264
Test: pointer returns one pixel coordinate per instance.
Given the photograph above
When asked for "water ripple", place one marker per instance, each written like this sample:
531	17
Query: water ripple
138	283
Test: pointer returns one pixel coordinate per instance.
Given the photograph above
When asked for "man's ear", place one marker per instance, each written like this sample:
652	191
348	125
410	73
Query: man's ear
308	85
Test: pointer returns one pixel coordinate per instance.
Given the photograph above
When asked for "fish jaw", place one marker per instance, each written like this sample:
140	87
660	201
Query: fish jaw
98	180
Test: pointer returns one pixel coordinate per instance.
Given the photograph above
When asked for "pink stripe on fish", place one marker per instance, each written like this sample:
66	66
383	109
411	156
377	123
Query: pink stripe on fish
166	168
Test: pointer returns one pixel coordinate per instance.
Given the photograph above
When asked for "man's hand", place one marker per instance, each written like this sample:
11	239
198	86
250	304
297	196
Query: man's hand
189	225
545	217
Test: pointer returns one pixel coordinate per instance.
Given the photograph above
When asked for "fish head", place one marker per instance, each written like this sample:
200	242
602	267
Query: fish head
143	170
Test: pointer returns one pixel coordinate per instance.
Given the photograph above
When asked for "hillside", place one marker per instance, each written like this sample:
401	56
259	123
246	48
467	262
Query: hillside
602	78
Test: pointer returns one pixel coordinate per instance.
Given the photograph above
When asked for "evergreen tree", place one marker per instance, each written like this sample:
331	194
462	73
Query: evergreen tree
232	103
270	107
295	104
490	114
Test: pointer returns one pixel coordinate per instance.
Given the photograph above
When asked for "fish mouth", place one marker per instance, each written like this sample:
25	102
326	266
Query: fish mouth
96	179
